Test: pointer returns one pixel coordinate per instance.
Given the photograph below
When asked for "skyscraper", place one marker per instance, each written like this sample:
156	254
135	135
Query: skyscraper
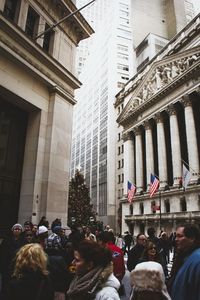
107	68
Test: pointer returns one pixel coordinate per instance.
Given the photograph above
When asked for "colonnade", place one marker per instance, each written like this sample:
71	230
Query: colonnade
141	158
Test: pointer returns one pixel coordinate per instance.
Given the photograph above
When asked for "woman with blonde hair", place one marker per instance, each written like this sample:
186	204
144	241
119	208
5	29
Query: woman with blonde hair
30	276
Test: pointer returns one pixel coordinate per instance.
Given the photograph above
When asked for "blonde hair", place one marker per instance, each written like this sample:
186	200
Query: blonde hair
30	257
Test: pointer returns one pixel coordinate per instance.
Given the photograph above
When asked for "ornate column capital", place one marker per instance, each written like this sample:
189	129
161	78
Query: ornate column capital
137	130
127	136
186	101
147	124
171	110
158	118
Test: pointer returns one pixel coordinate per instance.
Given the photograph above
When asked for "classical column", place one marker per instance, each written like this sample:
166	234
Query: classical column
2	4
128	159
193	159
149	151
138	158
162	155
175	145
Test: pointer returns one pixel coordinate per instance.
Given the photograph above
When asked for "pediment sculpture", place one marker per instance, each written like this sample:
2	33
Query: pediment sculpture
162	76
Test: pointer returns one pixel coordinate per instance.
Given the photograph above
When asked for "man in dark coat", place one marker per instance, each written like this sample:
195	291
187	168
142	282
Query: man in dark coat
128	239
135	253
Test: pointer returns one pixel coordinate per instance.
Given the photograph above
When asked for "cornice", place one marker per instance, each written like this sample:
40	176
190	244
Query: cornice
15	44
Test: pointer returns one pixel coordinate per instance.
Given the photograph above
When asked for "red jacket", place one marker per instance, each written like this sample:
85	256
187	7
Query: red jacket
118	261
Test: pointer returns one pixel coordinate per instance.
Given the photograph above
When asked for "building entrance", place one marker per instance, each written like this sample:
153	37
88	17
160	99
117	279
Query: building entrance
13	124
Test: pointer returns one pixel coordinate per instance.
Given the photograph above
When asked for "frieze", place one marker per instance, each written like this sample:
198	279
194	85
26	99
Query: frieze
162	74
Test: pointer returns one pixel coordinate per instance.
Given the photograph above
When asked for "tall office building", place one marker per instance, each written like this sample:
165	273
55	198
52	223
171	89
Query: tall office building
94	13
107	69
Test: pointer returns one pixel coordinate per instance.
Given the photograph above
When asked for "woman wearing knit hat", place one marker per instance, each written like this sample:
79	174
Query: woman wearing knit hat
148	282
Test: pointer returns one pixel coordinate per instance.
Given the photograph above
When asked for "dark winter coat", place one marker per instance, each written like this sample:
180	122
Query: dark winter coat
32	286
133	256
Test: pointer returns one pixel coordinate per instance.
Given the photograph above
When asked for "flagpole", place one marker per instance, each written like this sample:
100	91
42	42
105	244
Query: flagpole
189	166
160	208
62	20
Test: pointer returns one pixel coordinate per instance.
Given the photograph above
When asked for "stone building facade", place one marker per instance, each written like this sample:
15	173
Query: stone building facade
37	84
161	132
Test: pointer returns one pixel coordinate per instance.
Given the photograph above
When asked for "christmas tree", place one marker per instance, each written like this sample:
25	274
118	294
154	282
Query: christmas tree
80	209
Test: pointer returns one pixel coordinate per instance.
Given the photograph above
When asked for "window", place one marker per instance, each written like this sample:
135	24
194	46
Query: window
183	204
119	193
119	151
119	164
122	178
167	206
141	208
122	162
122	148
10	9
31	23
118	137
153	207
120	85
123	67
119	178
48	36
122	47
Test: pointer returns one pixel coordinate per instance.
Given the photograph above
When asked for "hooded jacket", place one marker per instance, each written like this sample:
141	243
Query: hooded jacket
109	290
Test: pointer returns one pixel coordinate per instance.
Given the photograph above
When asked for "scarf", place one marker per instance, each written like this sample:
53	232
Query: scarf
86	286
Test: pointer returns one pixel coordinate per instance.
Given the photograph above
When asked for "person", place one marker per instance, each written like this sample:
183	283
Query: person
152	236
105	239
151	253
184	281
28	237
128	239
30	276
89	235
119	242
43	222
42	235
54	239
165	244
94	277
56	222
57	266
135	253
148	282
34	230
8	250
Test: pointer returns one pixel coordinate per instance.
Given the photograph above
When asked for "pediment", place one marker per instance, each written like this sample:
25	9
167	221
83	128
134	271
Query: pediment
161	75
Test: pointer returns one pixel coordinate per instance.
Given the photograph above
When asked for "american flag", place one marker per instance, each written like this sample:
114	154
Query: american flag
131	191
154	185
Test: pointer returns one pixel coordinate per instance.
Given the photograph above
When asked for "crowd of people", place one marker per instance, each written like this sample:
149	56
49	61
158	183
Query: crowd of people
41	262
